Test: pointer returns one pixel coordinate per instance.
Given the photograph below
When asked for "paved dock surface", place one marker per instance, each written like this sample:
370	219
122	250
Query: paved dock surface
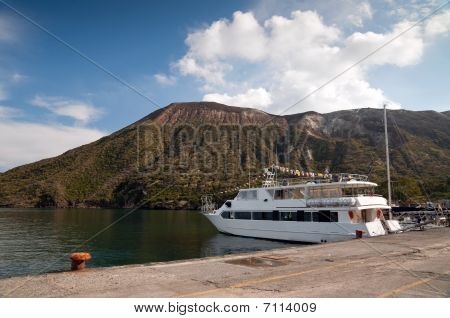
412	264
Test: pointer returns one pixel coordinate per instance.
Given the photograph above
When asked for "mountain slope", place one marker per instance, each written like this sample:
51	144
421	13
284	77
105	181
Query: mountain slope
169	158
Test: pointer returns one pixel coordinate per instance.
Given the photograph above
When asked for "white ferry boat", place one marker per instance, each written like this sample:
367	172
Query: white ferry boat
318	211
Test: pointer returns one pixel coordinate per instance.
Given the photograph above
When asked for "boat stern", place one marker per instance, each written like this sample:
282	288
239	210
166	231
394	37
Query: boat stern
375	228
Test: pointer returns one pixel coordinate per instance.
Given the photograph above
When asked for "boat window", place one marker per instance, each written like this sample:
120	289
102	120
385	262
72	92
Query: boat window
225	214
276	215
280	194
324	216
334	217
327	216
247	195
303	216
315	193
288	216
270	192
370	191
243	215
348	191
290	193
307	216
297	193
267	216
325	193
331	193
315	216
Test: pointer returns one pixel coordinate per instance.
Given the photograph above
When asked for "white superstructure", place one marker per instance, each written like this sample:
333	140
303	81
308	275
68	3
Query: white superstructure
317	211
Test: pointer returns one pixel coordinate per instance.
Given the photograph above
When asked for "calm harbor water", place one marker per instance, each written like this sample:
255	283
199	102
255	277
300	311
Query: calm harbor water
34	241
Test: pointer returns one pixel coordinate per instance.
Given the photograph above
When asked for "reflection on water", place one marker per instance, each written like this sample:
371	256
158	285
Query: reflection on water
39	240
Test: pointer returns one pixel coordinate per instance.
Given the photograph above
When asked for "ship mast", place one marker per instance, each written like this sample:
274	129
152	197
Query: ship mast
387	161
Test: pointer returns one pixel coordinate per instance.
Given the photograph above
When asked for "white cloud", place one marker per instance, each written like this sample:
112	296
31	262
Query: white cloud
82	112
17	77
164	79
257	98
28	142
246	34
438	24
210	71
406	50
362	12
273	63
9	112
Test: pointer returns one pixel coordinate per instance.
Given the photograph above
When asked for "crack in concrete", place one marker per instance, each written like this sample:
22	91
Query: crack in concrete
207	282
262	289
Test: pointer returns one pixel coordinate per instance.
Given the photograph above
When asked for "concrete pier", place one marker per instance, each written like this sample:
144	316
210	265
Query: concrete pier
412	264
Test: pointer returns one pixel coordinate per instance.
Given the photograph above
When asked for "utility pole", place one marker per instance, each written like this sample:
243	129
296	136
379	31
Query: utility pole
387	161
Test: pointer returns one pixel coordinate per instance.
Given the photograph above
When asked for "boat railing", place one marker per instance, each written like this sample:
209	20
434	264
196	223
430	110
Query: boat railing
300	180
352	176
320	202
328	178
293	181
356	195
349	200
208	206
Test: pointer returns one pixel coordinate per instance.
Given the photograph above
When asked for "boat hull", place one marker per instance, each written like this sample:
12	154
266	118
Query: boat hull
310	232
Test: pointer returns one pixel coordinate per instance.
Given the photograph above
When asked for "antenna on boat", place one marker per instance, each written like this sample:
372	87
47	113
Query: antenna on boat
387	160
276	162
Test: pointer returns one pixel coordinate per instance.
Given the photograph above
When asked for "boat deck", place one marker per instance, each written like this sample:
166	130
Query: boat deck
412	264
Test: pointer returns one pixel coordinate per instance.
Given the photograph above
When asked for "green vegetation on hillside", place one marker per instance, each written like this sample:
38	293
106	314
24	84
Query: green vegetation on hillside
173	156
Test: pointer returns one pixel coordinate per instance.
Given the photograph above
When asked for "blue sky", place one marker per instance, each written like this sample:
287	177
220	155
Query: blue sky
263	54
133	41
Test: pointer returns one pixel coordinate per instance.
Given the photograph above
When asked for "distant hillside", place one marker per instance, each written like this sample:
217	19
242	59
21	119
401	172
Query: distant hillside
169	158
